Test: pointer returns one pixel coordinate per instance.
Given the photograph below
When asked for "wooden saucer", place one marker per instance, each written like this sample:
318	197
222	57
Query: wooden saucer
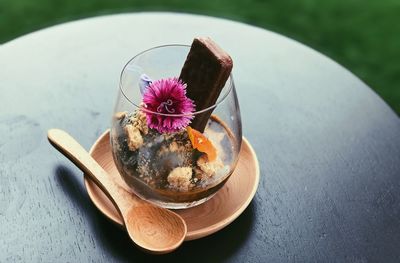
201	220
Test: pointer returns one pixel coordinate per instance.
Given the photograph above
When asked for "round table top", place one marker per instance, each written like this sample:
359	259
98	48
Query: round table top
328	146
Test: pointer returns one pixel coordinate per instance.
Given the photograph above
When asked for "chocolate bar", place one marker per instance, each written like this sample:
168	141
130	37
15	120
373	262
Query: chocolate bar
206	70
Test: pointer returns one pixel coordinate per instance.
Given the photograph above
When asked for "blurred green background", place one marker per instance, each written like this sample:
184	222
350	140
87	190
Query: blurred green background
362	35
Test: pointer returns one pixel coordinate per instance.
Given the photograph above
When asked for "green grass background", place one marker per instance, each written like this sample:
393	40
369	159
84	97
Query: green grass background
362	35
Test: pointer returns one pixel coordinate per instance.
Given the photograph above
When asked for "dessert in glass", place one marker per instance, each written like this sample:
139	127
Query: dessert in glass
176	128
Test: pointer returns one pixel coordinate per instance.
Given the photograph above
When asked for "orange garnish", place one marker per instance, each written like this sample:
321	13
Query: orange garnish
201	143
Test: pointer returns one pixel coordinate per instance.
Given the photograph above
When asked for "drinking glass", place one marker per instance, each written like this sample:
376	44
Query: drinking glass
165	167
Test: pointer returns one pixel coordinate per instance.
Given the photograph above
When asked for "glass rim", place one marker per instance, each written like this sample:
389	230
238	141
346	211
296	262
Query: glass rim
141	107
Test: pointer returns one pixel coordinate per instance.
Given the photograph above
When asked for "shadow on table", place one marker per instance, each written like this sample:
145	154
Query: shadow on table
115	242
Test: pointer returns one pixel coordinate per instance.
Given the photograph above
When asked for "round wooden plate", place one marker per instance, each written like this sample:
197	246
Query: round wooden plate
201	220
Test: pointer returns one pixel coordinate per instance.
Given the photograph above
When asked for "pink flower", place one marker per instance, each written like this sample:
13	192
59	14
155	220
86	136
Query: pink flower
167	96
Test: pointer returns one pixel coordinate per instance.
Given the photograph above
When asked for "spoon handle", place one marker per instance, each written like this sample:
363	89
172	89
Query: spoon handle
71	149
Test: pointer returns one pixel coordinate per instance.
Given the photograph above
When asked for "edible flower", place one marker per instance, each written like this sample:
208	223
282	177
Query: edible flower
167	107
202	143
144	82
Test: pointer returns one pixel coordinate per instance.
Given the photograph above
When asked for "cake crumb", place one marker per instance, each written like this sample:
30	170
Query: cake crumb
135	139
209	168
120	115
179	178
173	147
139	121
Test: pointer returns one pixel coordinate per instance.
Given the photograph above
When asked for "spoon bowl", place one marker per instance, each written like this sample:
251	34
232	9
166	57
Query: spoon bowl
153	229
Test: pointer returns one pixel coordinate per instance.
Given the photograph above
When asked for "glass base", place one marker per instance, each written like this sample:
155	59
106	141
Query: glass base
184	205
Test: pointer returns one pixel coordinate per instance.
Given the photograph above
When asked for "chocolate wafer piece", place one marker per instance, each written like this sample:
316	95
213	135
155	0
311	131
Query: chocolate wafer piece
206	70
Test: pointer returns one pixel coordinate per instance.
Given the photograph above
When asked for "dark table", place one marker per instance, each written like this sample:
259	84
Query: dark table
328	147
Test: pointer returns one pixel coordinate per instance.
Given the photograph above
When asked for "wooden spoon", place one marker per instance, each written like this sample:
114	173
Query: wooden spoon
156	230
